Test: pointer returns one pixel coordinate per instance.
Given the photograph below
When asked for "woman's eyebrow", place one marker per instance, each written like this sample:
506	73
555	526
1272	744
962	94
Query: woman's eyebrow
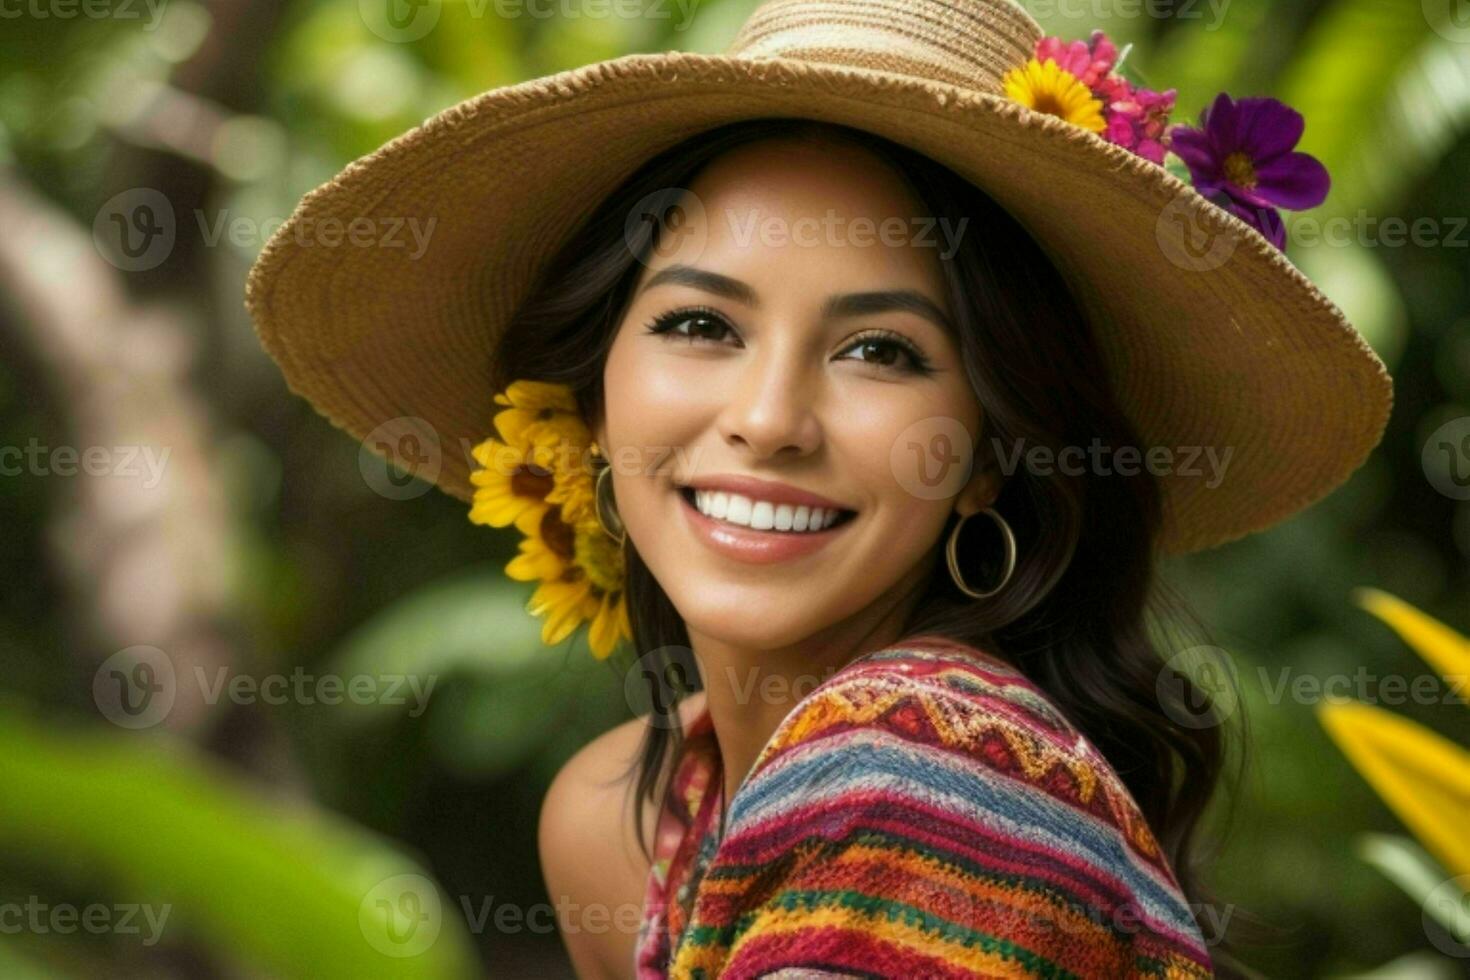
843	305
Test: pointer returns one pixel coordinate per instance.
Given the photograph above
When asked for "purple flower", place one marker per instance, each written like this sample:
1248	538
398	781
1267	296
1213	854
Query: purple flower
1242	157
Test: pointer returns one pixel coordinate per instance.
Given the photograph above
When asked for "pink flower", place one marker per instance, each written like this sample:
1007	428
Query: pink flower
1113	88
1136	118
1089	61
1138	121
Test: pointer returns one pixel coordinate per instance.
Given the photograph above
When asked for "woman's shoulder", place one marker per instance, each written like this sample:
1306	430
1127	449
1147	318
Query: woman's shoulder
938	693
589	796
929	720
589	842
929	773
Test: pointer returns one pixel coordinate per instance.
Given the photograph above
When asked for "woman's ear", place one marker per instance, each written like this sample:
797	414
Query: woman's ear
980	491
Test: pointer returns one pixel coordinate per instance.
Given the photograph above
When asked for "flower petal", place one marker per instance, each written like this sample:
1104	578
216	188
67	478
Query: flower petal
1293	180
561	604
1421	775
1265	220
1446	650
604	633
1194	148
1219	123
1267	128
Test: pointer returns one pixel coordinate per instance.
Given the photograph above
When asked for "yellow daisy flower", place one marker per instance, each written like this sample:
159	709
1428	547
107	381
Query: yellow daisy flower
604	608
539	480
562	603
539	412
536	560
576	494
609	625
512	485
1046	87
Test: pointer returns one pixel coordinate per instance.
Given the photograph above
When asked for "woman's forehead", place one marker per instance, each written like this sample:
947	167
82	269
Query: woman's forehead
793	217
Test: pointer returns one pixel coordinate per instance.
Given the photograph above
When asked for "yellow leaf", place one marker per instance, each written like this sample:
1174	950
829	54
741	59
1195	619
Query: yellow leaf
1424	778
1441	647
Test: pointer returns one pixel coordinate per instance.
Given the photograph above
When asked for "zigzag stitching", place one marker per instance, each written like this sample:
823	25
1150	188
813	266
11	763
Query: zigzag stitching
865	701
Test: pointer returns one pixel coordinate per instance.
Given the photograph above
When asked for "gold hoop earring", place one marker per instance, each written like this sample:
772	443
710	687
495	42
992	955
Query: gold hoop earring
951	549
608	517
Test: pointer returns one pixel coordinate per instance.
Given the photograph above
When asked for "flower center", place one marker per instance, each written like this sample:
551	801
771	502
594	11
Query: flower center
601	559
1240	171
532	481
1048	102
560	538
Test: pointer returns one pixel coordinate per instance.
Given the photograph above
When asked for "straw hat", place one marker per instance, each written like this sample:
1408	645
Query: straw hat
1211	336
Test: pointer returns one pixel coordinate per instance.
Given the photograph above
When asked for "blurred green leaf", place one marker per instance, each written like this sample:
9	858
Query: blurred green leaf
1342	79
1411	867
285	888
499	694
1420	965
1200	62
1424	112
474	622
13	966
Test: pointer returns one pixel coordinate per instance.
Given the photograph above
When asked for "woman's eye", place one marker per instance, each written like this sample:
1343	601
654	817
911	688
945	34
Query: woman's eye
700	325
888	352
709	327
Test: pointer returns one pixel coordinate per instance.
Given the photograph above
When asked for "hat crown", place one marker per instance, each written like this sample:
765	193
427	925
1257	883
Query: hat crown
969	43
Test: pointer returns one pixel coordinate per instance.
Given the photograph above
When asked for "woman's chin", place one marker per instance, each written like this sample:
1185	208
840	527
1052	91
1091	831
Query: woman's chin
736	627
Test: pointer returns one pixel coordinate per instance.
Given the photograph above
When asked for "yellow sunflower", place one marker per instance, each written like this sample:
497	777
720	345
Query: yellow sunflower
512	485
581	574
575	494
539	412
604	606
1047	87
609	624
543	555
539	480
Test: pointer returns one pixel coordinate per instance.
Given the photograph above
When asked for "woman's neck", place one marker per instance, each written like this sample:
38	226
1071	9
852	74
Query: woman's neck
749	692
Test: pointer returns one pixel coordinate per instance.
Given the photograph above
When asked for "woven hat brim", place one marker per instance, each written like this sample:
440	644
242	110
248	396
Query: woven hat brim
1240	352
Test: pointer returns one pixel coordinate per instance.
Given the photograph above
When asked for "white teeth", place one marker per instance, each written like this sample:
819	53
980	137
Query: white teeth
762	515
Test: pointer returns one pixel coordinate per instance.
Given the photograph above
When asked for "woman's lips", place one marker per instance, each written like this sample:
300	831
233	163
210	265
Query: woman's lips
749	545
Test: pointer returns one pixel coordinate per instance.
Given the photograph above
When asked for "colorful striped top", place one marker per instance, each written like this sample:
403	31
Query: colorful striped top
926	811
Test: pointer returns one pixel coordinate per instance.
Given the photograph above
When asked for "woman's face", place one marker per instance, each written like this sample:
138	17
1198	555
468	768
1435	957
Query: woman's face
754	373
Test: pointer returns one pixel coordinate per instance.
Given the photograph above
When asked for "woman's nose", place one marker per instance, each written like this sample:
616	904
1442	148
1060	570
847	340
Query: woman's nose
772	408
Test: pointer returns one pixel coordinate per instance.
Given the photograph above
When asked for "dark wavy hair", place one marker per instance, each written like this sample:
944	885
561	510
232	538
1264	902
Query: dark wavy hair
1075	617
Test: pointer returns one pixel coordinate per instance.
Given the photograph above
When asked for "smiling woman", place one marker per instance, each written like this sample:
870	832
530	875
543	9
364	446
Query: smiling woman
811	301
780	535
